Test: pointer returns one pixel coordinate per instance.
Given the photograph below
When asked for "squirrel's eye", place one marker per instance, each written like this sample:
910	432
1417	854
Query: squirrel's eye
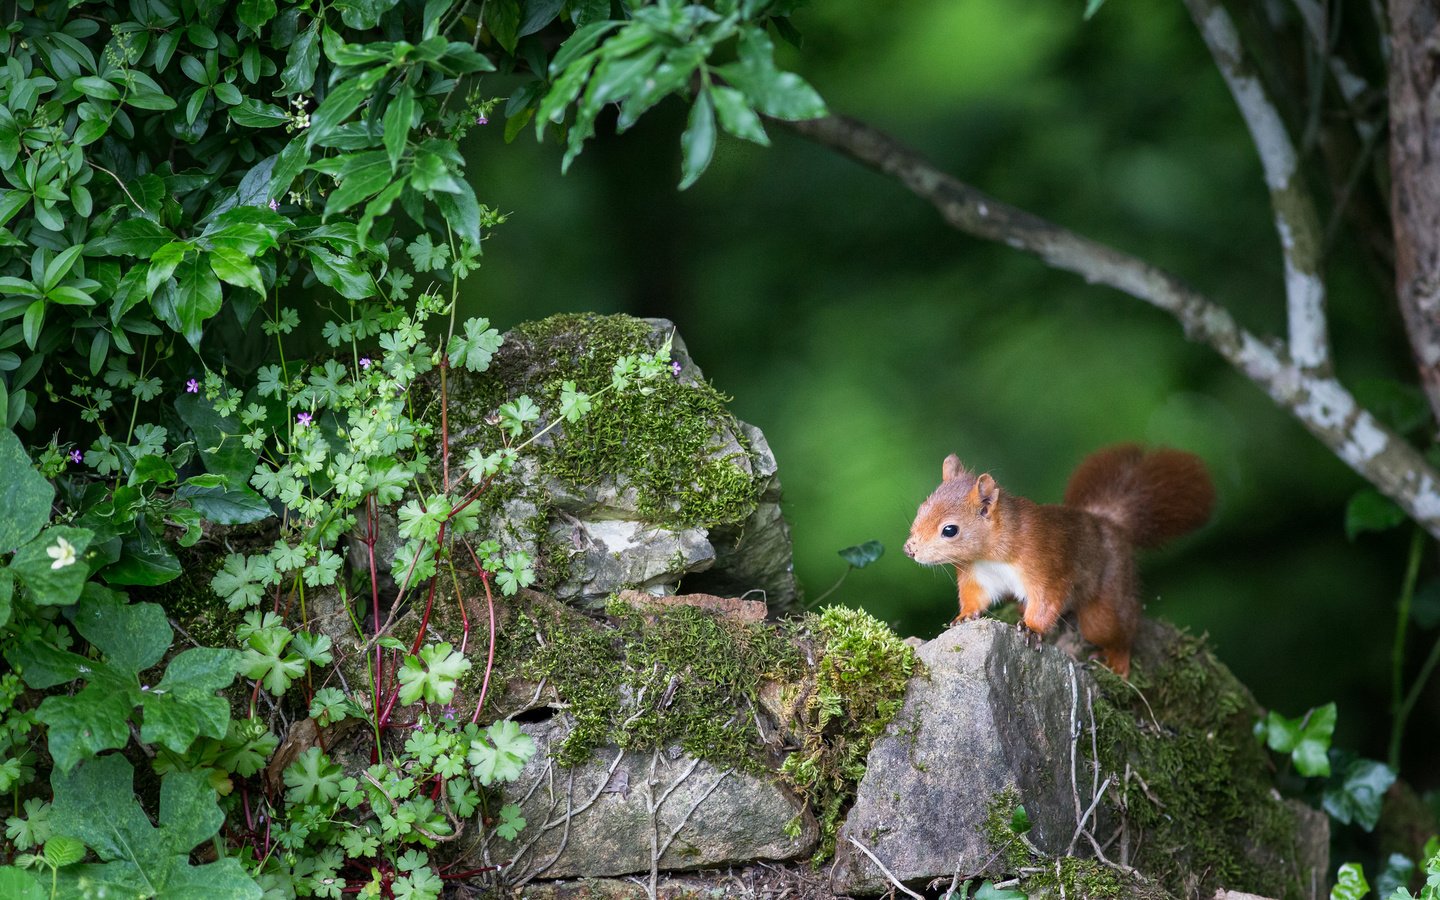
950	531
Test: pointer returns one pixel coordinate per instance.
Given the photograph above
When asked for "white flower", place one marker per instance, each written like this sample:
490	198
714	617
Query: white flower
63	553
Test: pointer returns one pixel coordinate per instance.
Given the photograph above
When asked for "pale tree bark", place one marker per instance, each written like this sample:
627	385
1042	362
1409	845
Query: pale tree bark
1415	179
1313	396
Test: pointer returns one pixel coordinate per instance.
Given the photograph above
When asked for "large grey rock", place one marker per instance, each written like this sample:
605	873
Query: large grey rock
623	810
989	716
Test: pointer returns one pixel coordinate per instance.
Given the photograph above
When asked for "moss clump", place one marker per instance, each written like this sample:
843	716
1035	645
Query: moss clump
663	435
1195	788
678	676
862	669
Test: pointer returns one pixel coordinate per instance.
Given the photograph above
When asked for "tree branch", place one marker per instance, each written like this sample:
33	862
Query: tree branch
1415	181
1320	402
1295	218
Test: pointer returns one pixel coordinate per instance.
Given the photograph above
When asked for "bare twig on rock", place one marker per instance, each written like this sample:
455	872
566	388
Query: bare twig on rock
887	873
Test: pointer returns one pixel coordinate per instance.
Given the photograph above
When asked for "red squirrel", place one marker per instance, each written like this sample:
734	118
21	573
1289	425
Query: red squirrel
1078	556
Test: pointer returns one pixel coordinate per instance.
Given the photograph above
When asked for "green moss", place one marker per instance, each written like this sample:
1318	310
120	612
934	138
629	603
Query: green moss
189	601
1199	798
681	676
1065	876
861	672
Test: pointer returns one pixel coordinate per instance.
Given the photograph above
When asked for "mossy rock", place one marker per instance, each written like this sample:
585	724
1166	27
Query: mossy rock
654	485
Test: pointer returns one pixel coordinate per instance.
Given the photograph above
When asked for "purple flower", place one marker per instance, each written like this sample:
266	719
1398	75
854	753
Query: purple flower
675	368
192	387
364	362
76	457
274	205
481	120
303	419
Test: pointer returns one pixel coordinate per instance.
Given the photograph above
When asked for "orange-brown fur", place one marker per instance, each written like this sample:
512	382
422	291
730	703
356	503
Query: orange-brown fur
1078	556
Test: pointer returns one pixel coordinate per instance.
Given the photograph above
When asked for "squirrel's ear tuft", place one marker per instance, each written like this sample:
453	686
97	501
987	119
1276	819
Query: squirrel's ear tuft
951	468
986	492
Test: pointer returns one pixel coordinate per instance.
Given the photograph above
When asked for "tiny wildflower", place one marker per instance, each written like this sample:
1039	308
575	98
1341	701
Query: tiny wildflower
192	387
274	205
76	457
63	554
481	120
364	362
675	368
303	419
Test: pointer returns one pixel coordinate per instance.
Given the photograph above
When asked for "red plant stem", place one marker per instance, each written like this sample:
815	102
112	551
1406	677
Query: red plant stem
430	596
444	426
490	654
464	619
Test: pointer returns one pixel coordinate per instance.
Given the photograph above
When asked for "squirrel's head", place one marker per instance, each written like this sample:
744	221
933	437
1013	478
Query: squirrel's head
956	523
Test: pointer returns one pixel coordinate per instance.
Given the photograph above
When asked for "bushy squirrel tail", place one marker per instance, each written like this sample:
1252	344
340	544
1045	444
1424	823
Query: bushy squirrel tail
1154	496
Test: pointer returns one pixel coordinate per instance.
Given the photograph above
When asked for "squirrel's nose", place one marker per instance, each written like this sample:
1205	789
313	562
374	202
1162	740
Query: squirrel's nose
910	548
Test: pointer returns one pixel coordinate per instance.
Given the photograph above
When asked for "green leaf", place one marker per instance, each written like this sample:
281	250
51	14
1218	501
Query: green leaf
52	566
502	18
94	86
1306	739
781	95
97	805
1356	793
1370	510
184	704
362	175
255	113
397	124
133	237
301	61
144	560
476	347
132	636
343	273
339	104
503	757
235	267
240	506
862	555
253	14
18	884
697	144
313	778
25	494
432	675
1350	883
222	454
737	117
197	298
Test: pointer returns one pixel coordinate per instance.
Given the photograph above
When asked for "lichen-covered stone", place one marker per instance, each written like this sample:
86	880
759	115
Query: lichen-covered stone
622	811
989	715
1186	804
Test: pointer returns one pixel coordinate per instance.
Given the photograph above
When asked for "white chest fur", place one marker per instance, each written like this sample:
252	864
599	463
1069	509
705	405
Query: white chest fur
998	579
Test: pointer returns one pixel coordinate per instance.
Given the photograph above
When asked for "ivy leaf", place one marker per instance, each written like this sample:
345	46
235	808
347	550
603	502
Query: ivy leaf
432	675
502	758
96	804
1357	791
25	495
862	555
1350	883
1306	739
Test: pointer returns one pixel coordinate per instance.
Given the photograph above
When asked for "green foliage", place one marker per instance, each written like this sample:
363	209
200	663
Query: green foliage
1350	883
129	638
1306	739
862	555
95	804
1356	791
860	677
1431	890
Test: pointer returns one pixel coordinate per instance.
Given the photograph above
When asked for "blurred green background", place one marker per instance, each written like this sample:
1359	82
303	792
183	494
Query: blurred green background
868	340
